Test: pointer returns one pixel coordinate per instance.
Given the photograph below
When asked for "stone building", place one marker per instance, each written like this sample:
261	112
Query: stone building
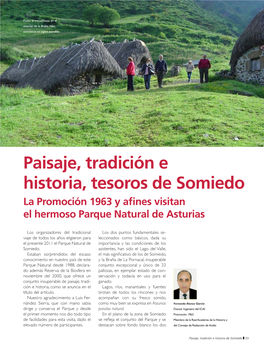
71	70
77	68
247	59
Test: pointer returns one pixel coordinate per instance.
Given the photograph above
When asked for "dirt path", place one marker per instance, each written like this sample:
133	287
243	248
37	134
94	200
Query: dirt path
182	82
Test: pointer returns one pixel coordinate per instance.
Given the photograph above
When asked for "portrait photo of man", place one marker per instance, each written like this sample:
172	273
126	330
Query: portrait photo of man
184	281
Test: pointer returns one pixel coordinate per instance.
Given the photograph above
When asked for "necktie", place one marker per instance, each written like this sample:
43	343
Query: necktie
185	295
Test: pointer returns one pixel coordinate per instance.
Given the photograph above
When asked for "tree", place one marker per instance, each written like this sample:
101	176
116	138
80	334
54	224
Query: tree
109	4
107	15
92	13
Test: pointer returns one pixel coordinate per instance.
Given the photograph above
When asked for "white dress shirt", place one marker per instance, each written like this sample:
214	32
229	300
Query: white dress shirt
182	297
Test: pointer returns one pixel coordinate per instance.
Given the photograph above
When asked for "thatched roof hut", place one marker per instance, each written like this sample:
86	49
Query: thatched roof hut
136	49
252	36
59	68
18	70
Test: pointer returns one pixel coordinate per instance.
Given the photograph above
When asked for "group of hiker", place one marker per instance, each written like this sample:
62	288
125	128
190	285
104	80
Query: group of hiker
161	69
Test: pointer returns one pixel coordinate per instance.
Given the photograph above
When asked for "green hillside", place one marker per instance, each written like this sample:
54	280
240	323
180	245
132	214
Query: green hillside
238	13
179	29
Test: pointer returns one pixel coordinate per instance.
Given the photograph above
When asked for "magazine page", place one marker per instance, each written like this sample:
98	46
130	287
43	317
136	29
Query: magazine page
131	172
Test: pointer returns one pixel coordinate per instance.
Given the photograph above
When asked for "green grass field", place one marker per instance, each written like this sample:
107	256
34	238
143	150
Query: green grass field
187	115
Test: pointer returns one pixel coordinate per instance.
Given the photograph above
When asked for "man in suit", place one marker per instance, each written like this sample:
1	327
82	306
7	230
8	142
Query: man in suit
184	279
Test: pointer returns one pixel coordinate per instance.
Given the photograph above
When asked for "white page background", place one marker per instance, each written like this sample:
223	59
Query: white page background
225	247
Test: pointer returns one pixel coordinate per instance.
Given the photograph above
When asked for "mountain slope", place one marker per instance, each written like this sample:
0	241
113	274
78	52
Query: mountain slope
180	30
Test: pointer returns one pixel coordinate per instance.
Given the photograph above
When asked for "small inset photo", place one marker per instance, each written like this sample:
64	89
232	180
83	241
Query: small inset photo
185	284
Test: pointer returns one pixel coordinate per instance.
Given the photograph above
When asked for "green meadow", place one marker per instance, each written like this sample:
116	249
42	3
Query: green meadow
186	115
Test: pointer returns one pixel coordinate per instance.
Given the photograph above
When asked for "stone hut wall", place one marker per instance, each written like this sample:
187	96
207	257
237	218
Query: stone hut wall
83	84
244	65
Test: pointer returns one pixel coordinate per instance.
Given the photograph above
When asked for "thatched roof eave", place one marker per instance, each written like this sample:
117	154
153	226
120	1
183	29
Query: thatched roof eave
252	36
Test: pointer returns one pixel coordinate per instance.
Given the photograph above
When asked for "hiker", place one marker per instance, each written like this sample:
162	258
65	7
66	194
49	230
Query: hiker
130	74
147	71
160	69
189	69
204	66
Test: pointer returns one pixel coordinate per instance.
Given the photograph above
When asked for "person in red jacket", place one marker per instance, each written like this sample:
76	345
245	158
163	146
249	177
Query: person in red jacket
204	66
130	74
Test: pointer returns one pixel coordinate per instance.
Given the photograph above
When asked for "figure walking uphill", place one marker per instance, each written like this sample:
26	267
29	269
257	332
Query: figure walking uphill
160	70
147	71
130	74
204	66
189	69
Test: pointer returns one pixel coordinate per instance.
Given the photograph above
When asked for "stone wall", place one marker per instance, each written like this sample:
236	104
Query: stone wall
243	67
83	84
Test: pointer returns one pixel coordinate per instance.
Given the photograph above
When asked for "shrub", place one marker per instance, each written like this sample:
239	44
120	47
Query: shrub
7	54
185	40
11	54
133	8
162	35
109	4
154	17
227	40
19	18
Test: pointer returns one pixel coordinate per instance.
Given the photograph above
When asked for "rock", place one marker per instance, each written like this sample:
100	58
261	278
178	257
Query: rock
175	70
240	92
222	72
225	73
64	91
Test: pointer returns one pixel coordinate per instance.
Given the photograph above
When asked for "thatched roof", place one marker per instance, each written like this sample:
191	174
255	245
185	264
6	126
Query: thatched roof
252	36
122	50
18	70
62	66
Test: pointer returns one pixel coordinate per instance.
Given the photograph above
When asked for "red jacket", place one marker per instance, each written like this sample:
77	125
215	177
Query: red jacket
131	69
204	63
